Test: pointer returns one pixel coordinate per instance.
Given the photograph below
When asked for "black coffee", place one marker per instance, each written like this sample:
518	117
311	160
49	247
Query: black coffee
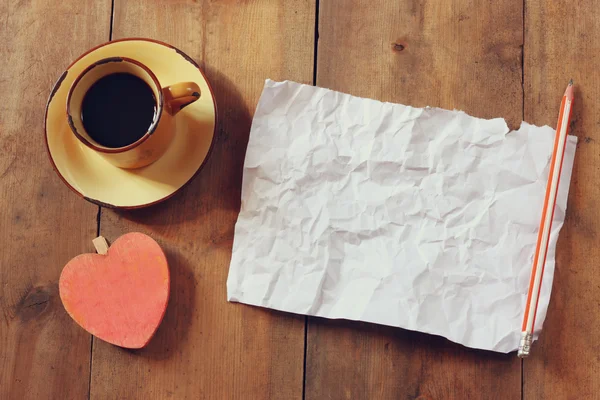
118	109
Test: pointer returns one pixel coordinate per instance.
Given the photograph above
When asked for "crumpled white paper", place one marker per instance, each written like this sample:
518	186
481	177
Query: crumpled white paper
423	219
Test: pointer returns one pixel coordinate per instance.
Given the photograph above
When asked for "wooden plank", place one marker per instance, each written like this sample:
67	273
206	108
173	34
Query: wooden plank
562	41
43	353
205	347
462	54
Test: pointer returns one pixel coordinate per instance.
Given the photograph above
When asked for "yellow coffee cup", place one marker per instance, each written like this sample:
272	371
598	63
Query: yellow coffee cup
118	108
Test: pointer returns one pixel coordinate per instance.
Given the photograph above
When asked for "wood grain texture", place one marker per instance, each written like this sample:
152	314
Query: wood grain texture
43	354
461	54
206	347
562	41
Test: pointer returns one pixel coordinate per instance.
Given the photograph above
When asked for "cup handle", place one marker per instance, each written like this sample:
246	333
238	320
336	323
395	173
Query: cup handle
180	95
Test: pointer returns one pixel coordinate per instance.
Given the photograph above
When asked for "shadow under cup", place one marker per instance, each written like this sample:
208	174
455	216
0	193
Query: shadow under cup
147	148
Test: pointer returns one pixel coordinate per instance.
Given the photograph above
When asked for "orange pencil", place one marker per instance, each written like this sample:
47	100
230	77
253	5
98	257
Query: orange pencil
541	249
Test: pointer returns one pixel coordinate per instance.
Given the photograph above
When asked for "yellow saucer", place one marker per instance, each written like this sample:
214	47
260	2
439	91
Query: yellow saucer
100	182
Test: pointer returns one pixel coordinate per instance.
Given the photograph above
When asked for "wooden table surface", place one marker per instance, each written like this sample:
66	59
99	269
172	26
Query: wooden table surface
503	58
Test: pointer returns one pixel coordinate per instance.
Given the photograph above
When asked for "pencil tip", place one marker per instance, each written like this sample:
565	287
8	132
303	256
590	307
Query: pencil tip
569	91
